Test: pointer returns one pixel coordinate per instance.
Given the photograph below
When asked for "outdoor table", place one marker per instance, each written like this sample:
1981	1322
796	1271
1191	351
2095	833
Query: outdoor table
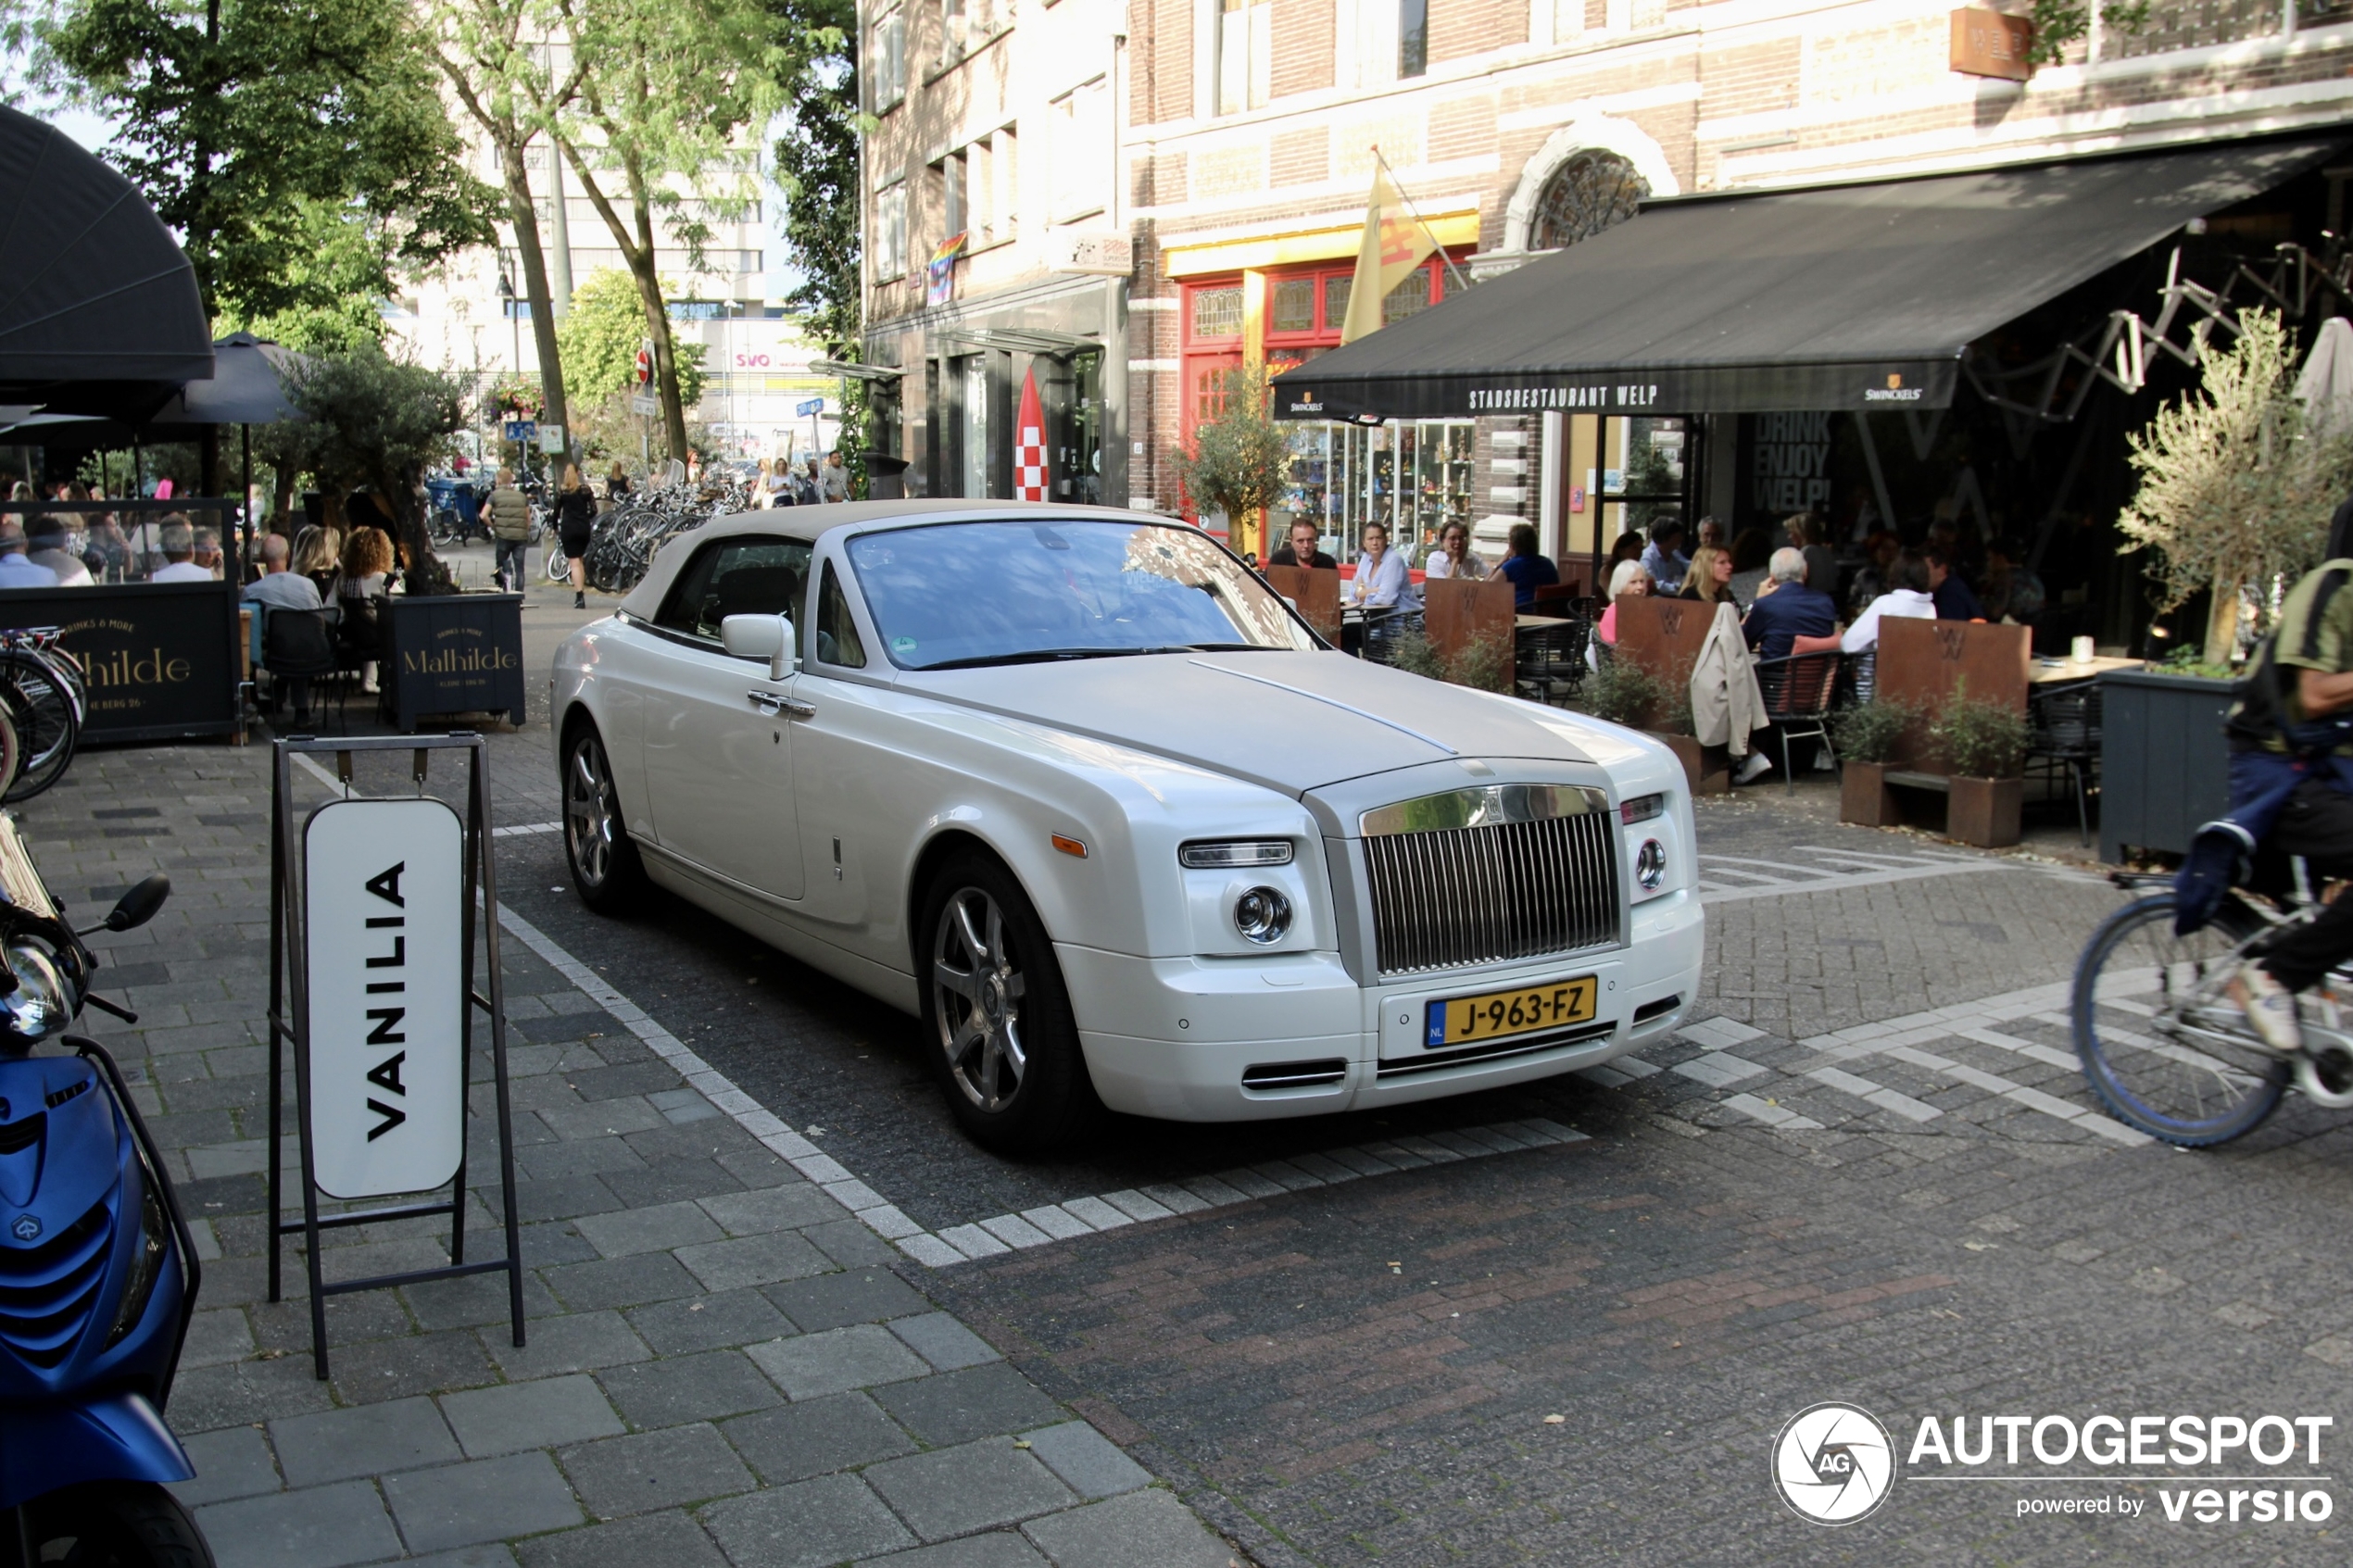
2045	672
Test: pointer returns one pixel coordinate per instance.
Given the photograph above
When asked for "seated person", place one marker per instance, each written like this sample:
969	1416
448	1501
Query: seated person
208	551
278	587
179	552
1709	579
2012	591
51	546
1752	552
1524	568
1787	609
16	571
1301	548
1664	560
1907	599
1382	580
1954	600
1453	556
1626	581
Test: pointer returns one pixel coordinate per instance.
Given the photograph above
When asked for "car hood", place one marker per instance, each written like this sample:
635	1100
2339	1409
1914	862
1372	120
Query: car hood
1291	721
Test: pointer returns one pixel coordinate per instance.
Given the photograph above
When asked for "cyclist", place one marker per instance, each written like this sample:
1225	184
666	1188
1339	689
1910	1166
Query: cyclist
2292	780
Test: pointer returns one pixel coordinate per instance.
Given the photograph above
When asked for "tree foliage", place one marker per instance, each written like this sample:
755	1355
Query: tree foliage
2236	486
816	173
377	423
651	116
602	335
1240	462
2058	23
242	119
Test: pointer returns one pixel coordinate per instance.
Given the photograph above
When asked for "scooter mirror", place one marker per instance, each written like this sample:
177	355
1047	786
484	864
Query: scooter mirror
138	906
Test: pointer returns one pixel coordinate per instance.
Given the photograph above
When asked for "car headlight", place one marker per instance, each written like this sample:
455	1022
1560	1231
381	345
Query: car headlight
39	1003
1263	915
1650	865
1227	854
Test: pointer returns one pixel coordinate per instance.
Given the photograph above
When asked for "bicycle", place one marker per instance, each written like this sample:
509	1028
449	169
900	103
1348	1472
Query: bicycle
2165	1048
45	692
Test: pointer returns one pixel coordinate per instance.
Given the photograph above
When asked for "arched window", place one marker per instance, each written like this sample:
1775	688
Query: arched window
1585	196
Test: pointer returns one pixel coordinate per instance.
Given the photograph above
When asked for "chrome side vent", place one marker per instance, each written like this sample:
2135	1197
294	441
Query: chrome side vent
1294	1074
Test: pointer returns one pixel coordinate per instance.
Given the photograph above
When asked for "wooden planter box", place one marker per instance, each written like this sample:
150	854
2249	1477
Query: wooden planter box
2164	766
1864	797
1985	811
1706	768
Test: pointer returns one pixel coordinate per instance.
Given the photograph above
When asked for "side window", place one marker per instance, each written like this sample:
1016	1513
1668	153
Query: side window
838	641
748	575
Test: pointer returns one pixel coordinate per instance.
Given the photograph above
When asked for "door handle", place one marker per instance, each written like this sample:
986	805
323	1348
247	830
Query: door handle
773	703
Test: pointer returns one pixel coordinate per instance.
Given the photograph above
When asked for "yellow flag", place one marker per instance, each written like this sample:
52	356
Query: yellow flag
1394	243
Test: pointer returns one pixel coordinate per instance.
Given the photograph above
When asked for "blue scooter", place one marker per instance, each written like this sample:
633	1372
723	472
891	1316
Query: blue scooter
97	1273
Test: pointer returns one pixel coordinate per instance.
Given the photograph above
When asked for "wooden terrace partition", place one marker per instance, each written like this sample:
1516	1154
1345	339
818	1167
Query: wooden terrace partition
1313	592
1455	613
1664	636
1926	662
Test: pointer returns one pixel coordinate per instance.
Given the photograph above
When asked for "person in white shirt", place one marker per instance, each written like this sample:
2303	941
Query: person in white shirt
1909	598
1453	556
179	554
16	571
277	588
49	547
1381	582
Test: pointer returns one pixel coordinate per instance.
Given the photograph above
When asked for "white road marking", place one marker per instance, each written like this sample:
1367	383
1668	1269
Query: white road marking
1833	870
521	828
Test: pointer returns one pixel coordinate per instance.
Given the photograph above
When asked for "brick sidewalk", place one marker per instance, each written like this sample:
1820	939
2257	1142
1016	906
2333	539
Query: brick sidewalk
724	1364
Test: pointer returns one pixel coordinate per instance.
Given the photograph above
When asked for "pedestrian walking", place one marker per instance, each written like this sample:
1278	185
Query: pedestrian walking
510	528
576	517
835	478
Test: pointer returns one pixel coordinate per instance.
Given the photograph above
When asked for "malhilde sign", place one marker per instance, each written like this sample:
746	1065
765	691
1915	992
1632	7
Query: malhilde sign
384	890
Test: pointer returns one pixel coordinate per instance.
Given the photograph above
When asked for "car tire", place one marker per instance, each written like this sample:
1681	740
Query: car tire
997	1021
605	867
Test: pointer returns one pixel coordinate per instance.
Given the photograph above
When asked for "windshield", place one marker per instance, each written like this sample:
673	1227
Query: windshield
955	595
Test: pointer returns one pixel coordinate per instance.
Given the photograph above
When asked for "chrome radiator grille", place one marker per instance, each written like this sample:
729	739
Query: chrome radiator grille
1517	883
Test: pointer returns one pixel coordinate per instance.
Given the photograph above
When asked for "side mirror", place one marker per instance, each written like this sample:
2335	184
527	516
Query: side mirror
760	636
138	906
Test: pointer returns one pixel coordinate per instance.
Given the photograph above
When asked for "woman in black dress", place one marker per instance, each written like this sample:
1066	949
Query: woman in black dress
576	517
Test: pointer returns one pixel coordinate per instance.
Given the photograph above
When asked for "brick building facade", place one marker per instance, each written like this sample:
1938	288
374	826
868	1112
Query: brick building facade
1233	144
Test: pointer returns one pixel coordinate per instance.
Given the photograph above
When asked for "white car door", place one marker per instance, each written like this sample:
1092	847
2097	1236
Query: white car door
718	732
845	780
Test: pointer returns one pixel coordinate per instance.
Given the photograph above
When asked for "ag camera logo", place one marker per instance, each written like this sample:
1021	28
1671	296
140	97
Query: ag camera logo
1833	1463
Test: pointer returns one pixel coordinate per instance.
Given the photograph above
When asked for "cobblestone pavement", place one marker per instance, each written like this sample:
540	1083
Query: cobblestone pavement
723	1365
1869	1171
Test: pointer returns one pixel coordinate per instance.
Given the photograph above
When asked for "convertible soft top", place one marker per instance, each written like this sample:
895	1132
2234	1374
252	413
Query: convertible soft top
811	523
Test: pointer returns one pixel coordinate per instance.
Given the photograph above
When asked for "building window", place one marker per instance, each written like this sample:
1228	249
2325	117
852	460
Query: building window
891	232
1413	37
887	60
954	200
1587	194
1245	54
1294	305
952	31
1217	312
1081	151
976	425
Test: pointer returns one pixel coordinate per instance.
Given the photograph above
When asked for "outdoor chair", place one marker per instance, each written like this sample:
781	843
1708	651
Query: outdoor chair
1549	663
1383	627
298	647
1859	677
1797	692
2066	738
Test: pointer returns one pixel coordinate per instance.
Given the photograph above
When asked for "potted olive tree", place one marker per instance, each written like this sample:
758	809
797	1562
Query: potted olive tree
1985	749
1868	738
2237	480
1624	693
1240	462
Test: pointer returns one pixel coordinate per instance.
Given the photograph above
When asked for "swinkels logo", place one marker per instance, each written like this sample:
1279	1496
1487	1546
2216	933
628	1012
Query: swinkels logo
1833	1463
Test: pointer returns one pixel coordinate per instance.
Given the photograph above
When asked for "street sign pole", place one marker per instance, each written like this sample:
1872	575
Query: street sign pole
372	941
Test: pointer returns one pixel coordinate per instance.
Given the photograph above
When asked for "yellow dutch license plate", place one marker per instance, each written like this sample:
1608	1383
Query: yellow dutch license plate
1524	1009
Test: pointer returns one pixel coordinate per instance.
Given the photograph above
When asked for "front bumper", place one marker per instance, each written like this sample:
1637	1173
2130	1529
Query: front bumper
1245	1039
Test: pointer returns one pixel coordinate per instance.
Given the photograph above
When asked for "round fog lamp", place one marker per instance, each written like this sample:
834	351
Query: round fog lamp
1263	915
1650	865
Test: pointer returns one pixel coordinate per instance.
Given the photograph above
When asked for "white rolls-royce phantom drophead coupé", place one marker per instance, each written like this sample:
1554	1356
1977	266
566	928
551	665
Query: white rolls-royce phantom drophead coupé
1078	789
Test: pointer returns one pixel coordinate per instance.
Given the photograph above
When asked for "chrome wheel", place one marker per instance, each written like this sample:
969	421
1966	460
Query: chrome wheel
592	813
976	998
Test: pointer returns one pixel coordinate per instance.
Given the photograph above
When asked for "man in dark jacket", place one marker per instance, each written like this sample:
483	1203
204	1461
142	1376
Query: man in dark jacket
1787	610
1953	599
1301	550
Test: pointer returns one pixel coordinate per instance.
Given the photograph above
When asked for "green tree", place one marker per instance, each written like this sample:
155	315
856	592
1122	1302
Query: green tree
497	70
600	337
240	119
1239	463
816	173
661	95
2058	23
337	279
2236	486
377	423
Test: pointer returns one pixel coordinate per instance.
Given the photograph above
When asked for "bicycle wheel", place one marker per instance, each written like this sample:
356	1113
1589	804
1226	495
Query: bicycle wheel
2162	1046
47	721
11	754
